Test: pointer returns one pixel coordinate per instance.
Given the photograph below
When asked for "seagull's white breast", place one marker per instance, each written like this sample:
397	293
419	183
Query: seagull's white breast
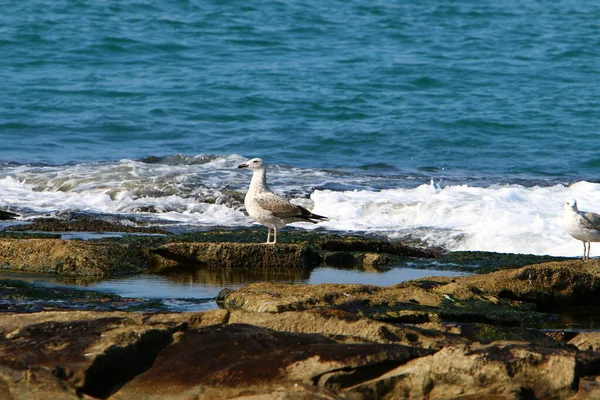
575	226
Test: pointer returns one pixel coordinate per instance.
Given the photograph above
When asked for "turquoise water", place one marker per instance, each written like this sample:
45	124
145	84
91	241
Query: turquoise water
197	290
497	90
459	124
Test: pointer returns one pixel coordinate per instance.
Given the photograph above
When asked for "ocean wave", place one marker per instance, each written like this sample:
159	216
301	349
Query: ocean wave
208	190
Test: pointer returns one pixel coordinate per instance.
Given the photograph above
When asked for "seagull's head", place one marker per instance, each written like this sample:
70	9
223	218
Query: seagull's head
255	163
571	203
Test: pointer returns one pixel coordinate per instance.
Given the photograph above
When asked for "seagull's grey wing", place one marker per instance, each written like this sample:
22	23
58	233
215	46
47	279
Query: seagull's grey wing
591	220
278	206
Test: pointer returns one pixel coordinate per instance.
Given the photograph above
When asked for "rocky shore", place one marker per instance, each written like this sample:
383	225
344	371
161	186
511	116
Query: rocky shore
469	337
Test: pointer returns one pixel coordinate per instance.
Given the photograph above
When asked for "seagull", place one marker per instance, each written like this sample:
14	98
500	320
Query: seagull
267	208
582	225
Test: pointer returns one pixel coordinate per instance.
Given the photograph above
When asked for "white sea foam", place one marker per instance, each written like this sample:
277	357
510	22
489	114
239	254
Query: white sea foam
509	218
502	218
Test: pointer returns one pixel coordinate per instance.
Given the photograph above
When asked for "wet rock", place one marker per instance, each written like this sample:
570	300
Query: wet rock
242	359
224	249
487	333
547	285
368	261
239	255
347	327
72	257
83	223
586	341
59	355
359	244
505	370
409	302
485	261
508	298
589	388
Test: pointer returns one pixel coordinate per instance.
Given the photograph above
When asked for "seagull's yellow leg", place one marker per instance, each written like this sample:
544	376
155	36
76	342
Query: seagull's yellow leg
269	238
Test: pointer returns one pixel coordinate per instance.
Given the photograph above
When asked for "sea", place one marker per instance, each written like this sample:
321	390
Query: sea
458	124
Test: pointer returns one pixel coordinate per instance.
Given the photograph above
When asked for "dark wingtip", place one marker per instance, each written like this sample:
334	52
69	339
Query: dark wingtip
310	216
318	217
4	215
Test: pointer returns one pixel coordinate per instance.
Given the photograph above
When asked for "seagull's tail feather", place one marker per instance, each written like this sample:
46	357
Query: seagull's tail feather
4	215
310	217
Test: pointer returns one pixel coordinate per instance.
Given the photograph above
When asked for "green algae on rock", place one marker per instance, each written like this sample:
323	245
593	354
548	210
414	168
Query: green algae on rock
240	255
72	257
84	223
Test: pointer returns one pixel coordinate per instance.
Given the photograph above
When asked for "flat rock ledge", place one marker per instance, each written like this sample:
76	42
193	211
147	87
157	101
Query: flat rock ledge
72	257
470	337
160	253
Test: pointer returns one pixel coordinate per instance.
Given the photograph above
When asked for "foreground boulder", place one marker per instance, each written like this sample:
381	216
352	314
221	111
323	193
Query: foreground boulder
59	355
232	360
221	355
500	370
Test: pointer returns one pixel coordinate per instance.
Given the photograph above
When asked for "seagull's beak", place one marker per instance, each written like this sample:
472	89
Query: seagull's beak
244	165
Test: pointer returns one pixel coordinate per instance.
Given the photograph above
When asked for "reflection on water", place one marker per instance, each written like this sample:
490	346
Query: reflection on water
390	277
233	277
196	289
574	318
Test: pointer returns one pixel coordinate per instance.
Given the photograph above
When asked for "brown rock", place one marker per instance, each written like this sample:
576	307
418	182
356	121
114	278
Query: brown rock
347	327
240	255
586	341
502	369
238	356
368	261
589	388
358	244
548	284
72	257
52	354
408	302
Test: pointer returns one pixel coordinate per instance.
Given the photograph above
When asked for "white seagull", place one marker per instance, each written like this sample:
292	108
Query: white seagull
267	208
582	225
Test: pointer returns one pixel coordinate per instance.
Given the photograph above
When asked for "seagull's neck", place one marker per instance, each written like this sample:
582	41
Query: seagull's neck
259	180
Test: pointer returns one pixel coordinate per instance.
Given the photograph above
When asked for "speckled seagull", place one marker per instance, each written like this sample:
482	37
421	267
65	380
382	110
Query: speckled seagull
267	208
582	225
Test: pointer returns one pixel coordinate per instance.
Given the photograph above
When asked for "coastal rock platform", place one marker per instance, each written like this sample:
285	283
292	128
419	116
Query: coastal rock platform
436	338
475	336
